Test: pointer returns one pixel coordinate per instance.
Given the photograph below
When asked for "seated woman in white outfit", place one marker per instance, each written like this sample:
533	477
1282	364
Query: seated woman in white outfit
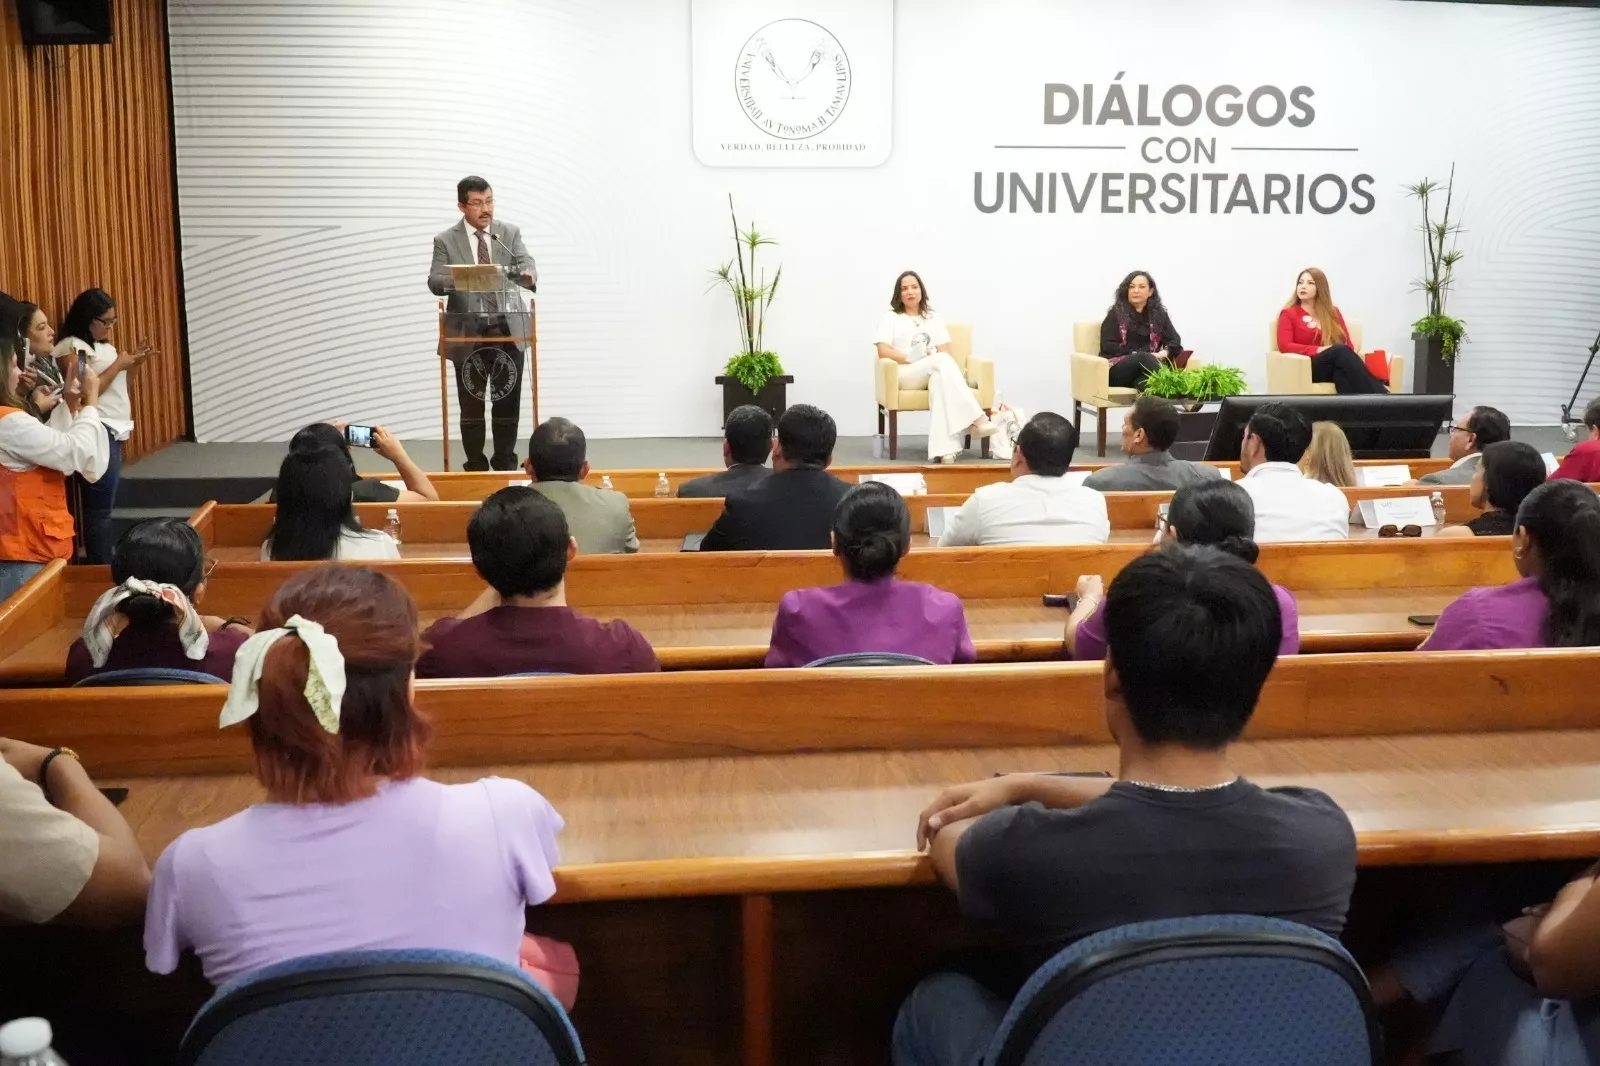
914	336
316	517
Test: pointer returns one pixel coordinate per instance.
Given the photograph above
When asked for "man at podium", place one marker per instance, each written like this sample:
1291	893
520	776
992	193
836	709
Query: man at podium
488	372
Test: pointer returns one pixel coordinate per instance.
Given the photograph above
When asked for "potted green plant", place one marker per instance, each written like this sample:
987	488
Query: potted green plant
1436	337
1189	387
755	375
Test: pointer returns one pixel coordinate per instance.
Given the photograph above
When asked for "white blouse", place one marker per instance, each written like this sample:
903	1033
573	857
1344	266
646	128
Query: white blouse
915	335
115	410
367	544
80	448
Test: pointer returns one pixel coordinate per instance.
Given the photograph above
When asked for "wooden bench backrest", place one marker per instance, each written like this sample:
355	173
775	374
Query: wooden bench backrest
156	731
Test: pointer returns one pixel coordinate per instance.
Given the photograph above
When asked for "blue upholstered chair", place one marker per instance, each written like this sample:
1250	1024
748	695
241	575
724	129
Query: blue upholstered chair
871	658
382	1008
148	675
1221	989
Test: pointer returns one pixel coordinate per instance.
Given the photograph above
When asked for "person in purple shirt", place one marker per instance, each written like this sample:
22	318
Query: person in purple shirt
873	611
1556	602
353	849
149	619
1218	513
521	624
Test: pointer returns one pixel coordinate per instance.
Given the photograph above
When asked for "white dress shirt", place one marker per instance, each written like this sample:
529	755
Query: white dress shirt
1291	506
81	448
1030	510
472	240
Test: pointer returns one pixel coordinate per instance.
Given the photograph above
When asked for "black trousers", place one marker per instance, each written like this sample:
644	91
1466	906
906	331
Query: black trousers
1130	371
1347	370
489	376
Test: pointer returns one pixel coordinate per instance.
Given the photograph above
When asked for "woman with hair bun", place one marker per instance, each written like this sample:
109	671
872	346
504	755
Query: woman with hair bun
1216	513
353	849
873	611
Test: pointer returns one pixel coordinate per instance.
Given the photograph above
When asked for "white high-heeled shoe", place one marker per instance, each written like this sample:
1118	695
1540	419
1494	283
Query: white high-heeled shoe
984	427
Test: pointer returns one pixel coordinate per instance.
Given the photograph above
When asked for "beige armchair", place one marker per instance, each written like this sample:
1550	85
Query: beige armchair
892	399
1091	382
1289	374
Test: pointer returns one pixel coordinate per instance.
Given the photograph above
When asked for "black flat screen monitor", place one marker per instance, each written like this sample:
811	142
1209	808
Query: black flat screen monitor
1385	426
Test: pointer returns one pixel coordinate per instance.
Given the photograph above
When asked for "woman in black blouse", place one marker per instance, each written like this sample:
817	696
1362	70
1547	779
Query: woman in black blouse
1137	334
1508	471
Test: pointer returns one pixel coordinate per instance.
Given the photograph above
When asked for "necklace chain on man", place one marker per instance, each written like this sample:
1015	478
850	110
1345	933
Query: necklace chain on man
1181	788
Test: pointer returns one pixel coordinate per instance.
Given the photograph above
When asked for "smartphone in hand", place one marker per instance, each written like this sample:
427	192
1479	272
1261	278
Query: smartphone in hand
358	436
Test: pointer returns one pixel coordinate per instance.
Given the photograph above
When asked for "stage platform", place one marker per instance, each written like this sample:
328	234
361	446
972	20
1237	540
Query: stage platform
182	476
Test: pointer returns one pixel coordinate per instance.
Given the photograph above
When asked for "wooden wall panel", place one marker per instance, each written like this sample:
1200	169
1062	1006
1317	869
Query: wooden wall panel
86	193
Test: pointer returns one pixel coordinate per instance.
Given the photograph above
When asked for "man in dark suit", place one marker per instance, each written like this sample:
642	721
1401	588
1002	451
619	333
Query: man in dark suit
485	373
746	443
792	508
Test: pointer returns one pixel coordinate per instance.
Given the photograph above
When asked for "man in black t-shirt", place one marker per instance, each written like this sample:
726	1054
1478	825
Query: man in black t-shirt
1041	861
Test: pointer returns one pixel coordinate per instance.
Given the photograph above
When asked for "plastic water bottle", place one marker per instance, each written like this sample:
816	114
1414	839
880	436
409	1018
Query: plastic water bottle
391	525
663	486
1438	508
26	1042
605	482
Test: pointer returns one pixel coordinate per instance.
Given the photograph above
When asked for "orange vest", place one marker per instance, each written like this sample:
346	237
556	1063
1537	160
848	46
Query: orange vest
35	525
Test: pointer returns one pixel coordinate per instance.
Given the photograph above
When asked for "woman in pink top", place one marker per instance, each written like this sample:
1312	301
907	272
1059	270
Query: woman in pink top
1311	326
1218	513
353	849
873	611
1556	603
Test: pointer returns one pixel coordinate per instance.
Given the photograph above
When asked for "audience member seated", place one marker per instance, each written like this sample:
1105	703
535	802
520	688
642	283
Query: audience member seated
1040	861
1583	461
1217	513
791	509
1039	505
353	848
522	624
1556	602
1136	335
1289	506
70	858
315	516
1469	436
150	618
370	489
1310	325
1509	471
1328	458
746	444
1151	428
598	518
873	611
35	460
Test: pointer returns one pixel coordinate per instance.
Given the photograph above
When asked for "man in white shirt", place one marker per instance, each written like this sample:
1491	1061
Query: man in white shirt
1289	505
1039	505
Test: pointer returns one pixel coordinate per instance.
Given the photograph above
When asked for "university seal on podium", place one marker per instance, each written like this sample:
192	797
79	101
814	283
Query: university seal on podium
489	373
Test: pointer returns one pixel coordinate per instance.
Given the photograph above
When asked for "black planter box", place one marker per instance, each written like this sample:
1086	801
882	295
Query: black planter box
1435	377
771	398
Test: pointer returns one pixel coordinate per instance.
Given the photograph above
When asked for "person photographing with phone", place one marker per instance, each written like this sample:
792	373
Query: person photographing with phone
342	436
35	460
85	343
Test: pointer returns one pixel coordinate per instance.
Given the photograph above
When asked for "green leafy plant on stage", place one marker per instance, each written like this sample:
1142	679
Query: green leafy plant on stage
1198	384
752	296
1439	258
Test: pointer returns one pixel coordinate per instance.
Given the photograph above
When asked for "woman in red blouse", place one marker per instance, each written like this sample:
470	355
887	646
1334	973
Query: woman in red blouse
1311	326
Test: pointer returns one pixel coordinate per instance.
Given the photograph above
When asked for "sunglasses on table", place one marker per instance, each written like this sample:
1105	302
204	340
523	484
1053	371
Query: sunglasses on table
1399	531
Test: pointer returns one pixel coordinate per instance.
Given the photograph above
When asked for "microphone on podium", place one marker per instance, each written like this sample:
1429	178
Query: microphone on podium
493	236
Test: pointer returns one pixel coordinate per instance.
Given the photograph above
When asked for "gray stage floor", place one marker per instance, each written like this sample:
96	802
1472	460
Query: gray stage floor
184	459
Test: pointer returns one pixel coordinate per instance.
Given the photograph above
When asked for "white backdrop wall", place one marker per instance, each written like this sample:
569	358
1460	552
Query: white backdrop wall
319	146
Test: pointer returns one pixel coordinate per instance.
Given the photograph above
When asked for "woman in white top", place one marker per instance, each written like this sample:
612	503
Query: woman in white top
316	518
35	459
912	335
85	340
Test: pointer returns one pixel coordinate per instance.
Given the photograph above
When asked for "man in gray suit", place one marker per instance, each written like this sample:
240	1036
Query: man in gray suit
1469	436
485	373
598	519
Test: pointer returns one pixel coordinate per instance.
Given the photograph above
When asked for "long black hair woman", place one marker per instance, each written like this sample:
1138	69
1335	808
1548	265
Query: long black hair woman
1136	333
1507	471
150	617
1218	513
35	340
85	339
316	517
872	611
1556	602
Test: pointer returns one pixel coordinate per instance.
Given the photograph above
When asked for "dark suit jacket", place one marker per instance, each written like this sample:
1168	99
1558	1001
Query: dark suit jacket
724	482
789	510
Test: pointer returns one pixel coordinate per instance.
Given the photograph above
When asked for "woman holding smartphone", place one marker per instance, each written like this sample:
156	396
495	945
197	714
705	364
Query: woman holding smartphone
86	341
35	340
